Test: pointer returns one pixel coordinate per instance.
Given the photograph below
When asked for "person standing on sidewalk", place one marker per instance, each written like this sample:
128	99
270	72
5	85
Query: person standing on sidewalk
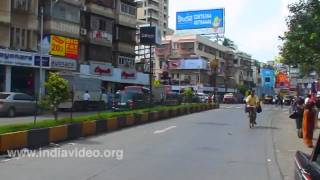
298	108
308	123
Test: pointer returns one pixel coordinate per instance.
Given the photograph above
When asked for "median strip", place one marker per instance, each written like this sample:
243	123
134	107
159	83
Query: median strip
28	135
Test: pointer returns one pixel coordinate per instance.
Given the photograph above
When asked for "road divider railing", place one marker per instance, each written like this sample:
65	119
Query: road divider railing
33	137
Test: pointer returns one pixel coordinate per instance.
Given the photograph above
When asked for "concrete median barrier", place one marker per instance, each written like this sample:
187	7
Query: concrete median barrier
58	133
112	124
101	126
88	128
144	117
38	138
130	120
74	130
11	141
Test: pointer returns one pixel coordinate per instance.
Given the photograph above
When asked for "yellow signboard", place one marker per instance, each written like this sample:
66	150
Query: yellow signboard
66	47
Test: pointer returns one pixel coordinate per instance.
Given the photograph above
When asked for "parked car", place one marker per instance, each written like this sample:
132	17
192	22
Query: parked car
129	100
203	97
229	98
12	104
172	98
287	100
307	166
268	99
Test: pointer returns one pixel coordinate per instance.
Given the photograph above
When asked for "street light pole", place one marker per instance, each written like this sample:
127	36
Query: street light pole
151	66
40	54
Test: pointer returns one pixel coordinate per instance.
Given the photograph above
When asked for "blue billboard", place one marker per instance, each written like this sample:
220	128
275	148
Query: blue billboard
202	19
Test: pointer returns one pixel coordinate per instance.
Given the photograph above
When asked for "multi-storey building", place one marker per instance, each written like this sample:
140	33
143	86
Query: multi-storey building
89	36
188	62
18	43
243	73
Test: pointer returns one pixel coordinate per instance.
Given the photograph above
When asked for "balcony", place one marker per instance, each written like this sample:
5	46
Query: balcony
62	28
128	15
5	17
125	48
101	10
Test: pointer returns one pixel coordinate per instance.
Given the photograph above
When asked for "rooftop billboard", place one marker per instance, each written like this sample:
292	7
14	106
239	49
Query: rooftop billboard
213	19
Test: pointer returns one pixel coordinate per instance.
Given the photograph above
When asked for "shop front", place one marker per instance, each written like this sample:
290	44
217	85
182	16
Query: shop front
19	71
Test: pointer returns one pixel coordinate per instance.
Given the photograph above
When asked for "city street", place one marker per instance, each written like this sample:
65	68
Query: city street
216	144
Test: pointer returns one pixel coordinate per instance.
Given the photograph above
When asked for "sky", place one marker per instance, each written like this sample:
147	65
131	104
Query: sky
254	25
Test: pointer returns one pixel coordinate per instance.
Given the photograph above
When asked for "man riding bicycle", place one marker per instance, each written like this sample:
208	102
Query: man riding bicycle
252	102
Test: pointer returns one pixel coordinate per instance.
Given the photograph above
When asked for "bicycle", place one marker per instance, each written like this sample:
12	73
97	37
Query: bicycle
252	115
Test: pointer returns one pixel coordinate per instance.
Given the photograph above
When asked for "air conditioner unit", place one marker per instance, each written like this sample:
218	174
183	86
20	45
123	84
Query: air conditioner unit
83	31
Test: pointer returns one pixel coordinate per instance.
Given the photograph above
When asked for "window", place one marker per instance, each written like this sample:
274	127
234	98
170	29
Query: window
126	61
200	46
23	5
267	79
66	12
23	36
235	61
127	9
22	97
145	12
102	25
17	36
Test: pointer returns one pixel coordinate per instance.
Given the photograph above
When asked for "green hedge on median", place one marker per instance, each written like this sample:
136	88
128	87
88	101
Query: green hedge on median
102	115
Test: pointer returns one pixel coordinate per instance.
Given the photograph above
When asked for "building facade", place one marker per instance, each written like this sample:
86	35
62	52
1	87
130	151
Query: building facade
19	45
93	38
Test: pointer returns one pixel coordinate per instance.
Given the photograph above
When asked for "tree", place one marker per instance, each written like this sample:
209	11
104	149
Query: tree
229	43
188	94
57	92
301	45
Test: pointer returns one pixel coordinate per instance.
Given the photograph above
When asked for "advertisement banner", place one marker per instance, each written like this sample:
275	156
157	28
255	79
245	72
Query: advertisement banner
16	58
63	46
201	19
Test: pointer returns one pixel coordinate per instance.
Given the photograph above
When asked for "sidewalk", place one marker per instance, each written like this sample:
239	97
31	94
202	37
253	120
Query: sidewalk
286	143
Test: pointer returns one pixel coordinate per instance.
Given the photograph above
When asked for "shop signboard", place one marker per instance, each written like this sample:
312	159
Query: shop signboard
45	61
102	69
128	74
63	63
150	35
63	46
16	58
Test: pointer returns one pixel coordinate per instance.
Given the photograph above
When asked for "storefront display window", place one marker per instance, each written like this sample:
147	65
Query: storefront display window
23	80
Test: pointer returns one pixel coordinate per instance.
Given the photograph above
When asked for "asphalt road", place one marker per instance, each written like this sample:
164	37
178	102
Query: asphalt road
216	144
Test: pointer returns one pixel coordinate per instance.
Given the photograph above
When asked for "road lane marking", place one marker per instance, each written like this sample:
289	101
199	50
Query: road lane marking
164	130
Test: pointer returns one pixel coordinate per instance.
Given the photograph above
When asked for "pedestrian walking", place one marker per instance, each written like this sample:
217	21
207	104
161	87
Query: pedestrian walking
86	98
308	122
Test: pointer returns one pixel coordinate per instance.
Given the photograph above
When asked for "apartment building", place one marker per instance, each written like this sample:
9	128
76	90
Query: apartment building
155	12
18	45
